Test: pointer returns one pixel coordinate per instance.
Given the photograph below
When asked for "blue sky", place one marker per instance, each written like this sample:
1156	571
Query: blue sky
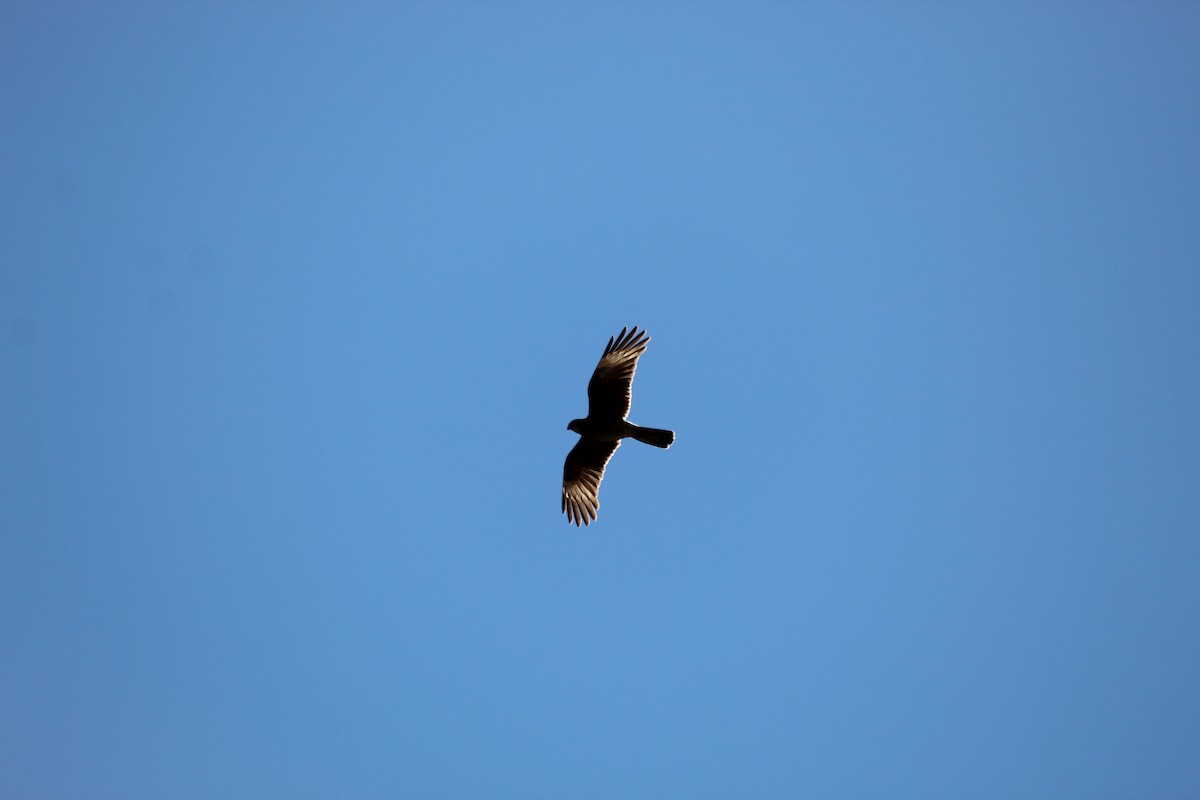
296	301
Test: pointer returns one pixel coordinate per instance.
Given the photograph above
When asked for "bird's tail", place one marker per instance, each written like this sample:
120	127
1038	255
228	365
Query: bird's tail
655	436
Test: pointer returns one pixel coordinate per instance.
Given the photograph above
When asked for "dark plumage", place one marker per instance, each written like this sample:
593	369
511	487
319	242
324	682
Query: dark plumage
601	431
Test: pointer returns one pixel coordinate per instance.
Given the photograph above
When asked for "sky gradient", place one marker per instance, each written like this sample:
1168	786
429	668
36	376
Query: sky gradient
296	301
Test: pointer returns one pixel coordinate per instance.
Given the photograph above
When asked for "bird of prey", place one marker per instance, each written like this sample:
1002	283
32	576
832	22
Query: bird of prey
601	431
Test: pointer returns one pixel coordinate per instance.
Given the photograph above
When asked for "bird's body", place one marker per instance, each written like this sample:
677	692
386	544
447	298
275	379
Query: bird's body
601	431
604	430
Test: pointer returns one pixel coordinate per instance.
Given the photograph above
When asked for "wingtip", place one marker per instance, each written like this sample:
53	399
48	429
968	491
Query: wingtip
628	339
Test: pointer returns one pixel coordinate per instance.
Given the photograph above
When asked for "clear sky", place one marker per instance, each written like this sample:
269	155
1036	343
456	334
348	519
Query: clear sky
296	301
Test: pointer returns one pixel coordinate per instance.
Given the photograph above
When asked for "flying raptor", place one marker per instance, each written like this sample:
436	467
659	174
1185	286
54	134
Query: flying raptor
601	431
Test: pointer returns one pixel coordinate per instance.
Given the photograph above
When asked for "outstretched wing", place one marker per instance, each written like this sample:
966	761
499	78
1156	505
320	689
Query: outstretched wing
610	389
581	478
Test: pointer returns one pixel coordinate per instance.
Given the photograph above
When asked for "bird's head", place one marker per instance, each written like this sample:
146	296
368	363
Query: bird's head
574	425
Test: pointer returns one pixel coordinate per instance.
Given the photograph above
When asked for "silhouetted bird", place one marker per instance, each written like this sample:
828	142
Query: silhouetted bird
601	431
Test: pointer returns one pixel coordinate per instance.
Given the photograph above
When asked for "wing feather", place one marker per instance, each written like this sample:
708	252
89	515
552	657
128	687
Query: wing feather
582	474
610	391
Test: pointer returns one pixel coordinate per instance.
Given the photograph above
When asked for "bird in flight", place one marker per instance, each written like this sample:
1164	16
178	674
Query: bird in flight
601	431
